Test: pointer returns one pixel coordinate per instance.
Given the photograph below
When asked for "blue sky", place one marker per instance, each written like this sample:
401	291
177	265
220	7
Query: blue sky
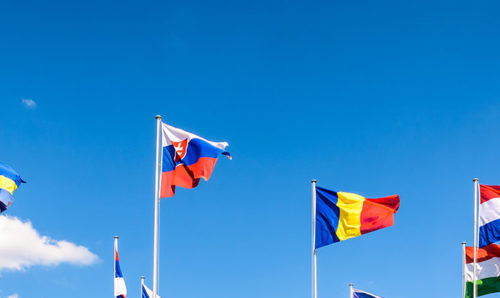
377	98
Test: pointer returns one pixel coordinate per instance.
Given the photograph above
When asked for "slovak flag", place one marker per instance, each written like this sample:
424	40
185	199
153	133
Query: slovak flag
186	158
120	288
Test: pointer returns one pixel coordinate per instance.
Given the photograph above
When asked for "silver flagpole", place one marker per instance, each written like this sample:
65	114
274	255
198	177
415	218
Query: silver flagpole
463	269
114	264
142	284
474	278
314	282
157	203
351	291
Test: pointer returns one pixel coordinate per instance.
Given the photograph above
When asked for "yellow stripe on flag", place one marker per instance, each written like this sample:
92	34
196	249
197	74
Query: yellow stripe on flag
7	184
350	206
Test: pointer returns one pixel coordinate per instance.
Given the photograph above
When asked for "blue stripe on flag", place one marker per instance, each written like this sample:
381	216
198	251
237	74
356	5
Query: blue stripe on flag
327	217
5	199
196	148
144	292
118	270
7	171
363	295
489	233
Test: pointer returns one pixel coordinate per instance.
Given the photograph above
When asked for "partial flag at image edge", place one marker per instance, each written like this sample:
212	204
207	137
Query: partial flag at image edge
362	294
147	293
120	289
9	182
487	270
489	214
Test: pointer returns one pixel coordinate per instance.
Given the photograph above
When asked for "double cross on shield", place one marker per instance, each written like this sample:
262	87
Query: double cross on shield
180	149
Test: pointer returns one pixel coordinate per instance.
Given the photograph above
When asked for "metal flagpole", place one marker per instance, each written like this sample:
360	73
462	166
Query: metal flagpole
157	203
114	264
463	269
474	275
350	291
142	284
314	282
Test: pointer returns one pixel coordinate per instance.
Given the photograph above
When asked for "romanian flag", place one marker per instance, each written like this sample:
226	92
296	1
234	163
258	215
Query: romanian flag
489	215
186	158
343	215
487	270
9	181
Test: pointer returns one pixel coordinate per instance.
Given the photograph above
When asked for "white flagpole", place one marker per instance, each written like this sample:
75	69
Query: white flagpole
157	203
314	282
474	283
142	285
351	291
114	263
463	269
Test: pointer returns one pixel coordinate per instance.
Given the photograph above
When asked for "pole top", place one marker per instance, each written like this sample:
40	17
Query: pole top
463	242
313	181
350	285
158	117
142	277
475	179
116	237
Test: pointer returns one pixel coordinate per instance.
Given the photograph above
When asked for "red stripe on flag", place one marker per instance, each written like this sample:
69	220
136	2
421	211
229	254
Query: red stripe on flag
489	192
378	213
186	176
483	253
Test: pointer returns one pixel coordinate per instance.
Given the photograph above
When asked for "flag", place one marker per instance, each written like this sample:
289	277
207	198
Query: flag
487	270
362	294
186	158
343	215
147	293
120	287
9	181
489	214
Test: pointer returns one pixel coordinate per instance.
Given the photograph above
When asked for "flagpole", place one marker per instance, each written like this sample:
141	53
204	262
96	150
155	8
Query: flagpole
314	275
114	264
463	269
474	283
142	284
157	202
350	291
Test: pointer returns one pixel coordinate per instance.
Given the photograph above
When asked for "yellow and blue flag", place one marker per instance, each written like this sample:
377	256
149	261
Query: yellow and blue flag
9	181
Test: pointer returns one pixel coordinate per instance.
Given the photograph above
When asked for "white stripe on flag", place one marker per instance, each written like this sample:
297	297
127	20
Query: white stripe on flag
489	211
175	134
120	288
485	269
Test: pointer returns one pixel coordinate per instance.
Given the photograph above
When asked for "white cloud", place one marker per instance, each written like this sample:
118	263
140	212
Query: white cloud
30	103
21	246
13	296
